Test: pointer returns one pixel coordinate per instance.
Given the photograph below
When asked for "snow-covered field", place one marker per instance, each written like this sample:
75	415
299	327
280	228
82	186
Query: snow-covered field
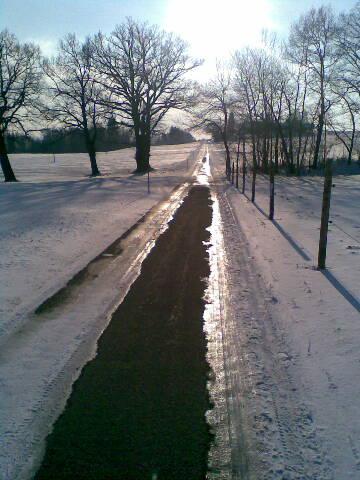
52	224
56	219
298	208
296	330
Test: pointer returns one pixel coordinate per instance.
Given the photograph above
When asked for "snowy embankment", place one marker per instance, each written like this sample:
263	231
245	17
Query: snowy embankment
49	231
55	220
305	351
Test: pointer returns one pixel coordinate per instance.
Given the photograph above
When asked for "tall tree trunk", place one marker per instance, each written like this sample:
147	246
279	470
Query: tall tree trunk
94	168
253	185
320	126
272	191
318	141
9	175
265	152
352	139
91	149
304	150
244	166
276	153
226	145
349	159
254	168
227	159
325	146
298	154
237	162
258	152
142	154
291	151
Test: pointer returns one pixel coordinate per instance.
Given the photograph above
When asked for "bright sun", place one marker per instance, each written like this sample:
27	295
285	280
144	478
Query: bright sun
214	28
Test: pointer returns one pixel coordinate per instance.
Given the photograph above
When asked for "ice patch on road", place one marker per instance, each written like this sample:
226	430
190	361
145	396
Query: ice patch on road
218	417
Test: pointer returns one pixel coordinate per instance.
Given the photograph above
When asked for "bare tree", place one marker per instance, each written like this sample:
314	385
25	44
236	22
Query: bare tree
348	48
246	86
347	82
20	85
214	111
144	70
344	117
312	43
75	98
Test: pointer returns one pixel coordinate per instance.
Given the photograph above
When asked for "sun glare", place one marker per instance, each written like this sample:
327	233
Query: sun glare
214	28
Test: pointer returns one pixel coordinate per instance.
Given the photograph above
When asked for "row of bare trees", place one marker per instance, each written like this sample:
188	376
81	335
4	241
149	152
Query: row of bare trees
282	100
279	102
135	76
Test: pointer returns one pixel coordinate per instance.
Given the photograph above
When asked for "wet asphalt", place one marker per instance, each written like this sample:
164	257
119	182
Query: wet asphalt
138	409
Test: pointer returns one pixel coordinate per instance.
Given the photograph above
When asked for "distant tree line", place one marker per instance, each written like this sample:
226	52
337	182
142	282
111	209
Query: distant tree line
276	106
72	140
68	141
174	136
132	77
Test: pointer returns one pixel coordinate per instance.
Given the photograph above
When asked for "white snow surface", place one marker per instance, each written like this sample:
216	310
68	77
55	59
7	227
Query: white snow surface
56	219
301	340
50	230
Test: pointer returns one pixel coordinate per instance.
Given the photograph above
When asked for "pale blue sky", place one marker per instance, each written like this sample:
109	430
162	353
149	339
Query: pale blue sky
212	27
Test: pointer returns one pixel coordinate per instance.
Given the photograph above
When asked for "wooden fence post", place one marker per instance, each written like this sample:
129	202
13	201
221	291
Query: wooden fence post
148	181
244	175
272	191
325	213
237	172
253	183
232	173
237	161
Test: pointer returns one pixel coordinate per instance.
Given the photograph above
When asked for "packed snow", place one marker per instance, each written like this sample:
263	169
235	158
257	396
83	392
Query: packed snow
292	331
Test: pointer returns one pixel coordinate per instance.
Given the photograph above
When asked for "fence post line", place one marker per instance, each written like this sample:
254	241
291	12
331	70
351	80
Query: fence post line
325	213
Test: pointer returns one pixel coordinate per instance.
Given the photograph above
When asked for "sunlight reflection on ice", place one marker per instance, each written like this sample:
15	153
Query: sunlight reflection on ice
204	174
219	460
